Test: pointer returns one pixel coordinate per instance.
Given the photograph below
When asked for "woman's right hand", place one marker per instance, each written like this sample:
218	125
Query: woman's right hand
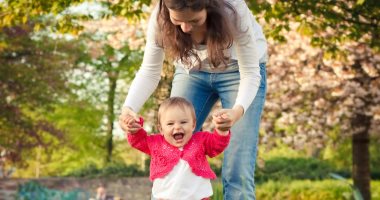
129	120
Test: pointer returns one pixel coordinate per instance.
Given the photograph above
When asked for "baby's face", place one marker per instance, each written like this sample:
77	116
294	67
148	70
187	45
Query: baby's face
177	126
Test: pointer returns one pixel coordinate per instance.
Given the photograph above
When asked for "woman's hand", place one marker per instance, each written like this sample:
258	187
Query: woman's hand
129	121
224	119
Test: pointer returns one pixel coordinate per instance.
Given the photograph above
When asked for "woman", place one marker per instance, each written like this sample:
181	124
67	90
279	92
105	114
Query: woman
219	52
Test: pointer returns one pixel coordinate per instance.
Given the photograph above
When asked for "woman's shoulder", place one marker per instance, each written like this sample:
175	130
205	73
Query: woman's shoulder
235	3
239	7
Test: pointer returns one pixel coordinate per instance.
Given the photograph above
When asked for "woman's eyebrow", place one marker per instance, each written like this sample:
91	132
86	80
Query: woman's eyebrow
194	20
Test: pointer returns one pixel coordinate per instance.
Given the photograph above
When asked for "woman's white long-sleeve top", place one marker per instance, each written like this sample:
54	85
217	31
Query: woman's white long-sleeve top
249	49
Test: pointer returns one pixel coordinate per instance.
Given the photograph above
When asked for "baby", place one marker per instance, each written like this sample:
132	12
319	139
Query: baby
179	168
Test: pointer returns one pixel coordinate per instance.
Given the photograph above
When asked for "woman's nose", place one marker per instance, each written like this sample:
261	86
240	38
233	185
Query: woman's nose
186	27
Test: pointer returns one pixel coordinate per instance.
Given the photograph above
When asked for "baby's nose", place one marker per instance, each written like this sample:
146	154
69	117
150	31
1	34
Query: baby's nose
177	126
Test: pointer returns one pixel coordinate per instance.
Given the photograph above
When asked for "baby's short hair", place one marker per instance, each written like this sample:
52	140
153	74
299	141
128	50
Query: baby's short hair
175	102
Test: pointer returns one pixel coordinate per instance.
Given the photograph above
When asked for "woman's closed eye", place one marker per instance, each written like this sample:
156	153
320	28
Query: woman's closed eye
192	22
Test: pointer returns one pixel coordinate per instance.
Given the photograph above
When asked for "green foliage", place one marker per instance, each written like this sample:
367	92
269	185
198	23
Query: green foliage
284	163
339	155
33	190
356	193
131	9
281	150
289	168
48	103
111	60
302	190
80	120
374	151
310	190
355	20
88	170
32	79
216	168
217	188
115	169
292	168
32	14
56	16
108	68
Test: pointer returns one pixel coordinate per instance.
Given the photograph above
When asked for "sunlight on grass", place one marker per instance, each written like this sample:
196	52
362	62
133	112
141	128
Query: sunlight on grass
302	190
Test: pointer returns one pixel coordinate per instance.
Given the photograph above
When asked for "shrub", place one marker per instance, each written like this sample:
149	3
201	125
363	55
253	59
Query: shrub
281	168
302	190
297	168
111	170
34	190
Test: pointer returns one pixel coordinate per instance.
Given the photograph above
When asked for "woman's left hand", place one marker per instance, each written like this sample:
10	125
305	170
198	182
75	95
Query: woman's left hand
224	119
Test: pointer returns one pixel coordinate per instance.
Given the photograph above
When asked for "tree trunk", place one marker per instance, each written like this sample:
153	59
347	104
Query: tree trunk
360	156
110	116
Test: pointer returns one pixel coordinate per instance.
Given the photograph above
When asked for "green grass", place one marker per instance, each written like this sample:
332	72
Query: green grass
303	190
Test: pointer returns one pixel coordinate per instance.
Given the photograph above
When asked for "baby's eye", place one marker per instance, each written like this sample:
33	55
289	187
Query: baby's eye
183	122
170	124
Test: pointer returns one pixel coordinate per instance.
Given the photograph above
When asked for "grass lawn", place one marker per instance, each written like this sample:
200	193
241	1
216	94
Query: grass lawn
303	190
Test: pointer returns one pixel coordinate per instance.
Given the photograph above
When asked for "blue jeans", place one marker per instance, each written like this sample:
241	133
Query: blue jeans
203	89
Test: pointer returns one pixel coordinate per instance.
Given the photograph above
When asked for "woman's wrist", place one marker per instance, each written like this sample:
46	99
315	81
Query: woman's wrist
239	111
127	108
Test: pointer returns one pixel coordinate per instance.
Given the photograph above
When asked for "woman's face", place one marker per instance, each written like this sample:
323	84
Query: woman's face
190	21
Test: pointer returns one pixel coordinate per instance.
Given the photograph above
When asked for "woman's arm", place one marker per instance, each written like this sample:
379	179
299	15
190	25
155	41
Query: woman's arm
149	74
246	45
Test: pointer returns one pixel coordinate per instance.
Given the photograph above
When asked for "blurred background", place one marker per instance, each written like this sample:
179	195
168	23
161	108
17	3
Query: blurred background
66	65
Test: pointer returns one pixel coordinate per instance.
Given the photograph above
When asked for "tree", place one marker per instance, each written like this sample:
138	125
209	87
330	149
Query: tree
43	83
33	78
35	13
328	23
347	33
112	64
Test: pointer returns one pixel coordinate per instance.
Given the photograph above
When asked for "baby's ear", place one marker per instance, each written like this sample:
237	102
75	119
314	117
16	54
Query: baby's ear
159	128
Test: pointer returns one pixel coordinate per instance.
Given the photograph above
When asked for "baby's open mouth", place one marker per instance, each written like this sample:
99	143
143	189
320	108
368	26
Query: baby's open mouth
178	136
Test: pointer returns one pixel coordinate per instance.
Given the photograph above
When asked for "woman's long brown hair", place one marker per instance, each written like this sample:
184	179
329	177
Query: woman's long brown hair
179	45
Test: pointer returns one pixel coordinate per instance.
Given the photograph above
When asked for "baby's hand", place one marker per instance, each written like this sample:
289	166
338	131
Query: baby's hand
222	123
126	120
132	125
224	119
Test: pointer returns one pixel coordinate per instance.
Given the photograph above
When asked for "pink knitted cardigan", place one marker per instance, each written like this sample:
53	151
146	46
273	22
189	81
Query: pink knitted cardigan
164	156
